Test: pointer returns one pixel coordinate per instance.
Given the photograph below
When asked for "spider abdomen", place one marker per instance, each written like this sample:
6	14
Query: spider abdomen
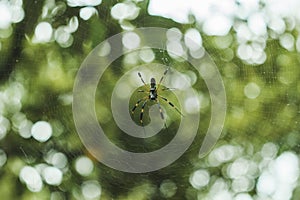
153	95
153	91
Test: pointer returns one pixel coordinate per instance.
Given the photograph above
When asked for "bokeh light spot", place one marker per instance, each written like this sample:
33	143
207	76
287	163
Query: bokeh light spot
217	25
31	178
41	131
52	175
87	12
75	3
84	166
43	32
131	40
199	178
252	90
147	55
193	39
91	189
122	11
168	188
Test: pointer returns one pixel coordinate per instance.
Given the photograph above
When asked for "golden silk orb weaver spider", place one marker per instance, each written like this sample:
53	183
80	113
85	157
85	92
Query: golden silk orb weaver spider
152	95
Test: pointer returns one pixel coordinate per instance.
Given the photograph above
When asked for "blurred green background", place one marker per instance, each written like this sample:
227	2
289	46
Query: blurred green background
255	45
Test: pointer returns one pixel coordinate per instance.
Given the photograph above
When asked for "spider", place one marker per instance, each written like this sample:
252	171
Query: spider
153	96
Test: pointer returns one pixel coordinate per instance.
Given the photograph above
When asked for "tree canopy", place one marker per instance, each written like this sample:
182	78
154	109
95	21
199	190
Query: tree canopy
230	67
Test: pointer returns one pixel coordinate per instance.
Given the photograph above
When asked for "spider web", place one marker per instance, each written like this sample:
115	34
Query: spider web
262	122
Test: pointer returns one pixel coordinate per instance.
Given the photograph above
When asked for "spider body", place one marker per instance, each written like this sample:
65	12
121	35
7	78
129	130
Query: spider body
153	90
153	96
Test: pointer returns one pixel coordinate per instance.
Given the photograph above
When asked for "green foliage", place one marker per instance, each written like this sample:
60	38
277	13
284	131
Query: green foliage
41	77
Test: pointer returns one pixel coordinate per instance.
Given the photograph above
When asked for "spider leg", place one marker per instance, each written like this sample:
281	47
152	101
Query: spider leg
142	91
140	75
167	89
162	78
160	110
137	104
142	111
171	104
161	114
